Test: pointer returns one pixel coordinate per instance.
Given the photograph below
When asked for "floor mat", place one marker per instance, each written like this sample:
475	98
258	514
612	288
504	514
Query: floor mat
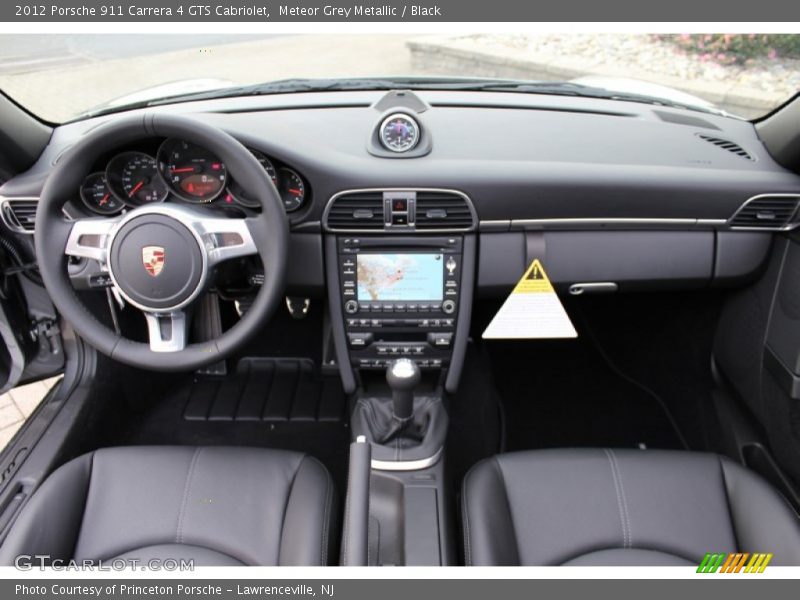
273	403
476	423
560	393
266	389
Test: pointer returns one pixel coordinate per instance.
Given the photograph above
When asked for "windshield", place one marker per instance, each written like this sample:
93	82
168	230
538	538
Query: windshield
64	77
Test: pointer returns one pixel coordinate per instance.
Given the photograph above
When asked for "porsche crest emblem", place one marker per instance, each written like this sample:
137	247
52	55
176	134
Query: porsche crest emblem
153	260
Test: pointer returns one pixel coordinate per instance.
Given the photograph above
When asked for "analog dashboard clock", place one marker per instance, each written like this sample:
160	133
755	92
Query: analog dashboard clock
399	132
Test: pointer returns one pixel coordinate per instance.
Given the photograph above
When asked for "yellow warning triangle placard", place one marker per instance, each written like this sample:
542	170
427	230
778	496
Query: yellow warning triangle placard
532	311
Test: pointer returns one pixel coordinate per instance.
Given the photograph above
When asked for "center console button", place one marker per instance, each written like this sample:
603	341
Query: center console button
440	340
359	340
449	307
351	307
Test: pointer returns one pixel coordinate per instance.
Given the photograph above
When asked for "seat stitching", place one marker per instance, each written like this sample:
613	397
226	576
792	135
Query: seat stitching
369	521
346	526
326	517
85	501
508	505
624	498
570	558
728	502
465	510
620	508
186	489
286	505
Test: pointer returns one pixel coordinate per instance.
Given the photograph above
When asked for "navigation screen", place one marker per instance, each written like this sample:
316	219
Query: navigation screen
399	277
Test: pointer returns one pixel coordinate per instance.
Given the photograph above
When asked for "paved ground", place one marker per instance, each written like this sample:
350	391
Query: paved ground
29	53
60	78
18	404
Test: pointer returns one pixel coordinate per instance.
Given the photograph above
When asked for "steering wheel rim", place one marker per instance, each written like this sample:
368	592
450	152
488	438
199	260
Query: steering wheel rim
268	230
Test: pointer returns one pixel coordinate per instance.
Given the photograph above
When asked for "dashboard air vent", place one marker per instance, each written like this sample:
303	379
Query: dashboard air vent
727	145
766	212
442	210
19	214
356	211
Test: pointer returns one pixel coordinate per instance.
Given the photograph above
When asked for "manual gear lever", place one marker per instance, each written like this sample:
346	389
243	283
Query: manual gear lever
403	376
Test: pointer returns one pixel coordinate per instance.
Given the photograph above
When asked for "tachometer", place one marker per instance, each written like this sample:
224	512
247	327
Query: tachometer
191	172
291	188
399	132
242	196
97	197
134	179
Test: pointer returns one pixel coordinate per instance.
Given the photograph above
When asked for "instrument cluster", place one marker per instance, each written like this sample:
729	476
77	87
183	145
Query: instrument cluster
182	170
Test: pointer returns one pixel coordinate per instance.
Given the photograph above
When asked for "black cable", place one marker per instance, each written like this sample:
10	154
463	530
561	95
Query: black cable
634	382
28	269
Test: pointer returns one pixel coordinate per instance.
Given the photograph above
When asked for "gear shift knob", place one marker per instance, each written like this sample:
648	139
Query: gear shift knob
403	375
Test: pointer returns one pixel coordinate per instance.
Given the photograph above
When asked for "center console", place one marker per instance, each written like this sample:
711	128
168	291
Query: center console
400	276
400	298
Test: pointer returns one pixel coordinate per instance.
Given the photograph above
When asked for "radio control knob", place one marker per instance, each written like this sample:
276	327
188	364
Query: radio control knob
351	307
449	307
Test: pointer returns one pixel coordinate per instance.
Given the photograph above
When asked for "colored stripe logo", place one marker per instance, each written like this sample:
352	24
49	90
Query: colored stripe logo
738	562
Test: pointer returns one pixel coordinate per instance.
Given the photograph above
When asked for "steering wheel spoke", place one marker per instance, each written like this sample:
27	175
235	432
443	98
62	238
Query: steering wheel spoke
167	331
225	239
89	239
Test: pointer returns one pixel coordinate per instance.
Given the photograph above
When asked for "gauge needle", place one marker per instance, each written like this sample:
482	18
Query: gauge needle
294	191
183	170
135	189
104	200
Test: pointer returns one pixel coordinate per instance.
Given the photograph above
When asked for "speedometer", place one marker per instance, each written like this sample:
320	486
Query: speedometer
191	172
133	178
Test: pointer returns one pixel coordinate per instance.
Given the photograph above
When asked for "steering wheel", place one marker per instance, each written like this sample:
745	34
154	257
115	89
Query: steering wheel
161	257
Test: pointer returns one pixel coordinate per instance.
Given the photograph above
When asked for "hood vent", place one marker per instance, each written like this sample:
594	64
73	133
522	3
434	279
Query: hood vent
443	210
19	214
727	145
356	211
766	212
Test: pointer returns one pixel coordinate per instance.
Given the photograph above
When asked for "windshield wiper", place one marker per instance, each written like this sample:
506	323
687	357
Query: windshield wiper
293	86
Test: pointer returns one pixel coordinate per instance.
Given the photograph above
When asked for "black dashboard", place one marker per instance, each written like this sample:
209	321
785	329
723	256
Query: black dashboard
462	190
586	183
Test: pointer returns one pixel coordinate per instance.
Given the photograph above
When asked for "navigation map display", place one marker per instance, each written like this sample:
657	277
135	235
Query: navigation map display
399	277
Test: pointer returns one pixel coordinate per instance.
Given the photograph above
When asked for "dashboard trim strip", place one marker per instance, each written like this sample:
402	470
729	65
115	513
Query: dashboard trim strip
600	223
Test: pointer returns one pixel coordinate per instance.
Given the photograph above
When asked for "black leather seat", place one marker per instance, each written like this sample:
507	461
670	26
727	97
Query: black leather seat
620	507
216	505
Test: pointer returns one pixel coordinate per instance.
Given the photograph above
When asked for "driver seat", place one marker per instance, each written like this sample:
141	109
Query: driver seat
220	506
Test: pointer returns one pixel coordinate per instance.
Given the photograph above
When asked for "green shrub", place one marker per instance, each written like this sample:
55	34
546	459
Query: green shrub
737	49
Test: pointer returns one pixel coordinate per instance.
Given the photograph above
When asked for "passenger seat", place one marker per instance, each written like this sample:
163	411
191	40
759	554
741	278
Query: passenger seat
620	507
